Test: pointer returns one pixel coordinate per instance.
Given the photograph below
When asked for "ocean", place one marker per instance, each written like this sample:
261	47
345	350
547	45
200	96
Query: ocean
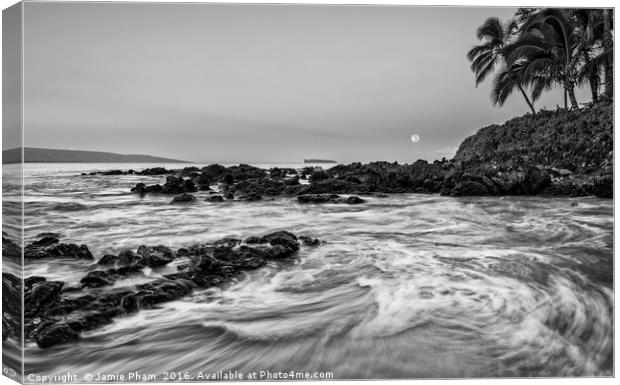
406	285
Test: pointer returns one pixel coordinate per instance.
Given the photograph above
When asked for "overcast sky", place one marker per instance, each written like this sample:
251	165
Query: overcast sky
257	83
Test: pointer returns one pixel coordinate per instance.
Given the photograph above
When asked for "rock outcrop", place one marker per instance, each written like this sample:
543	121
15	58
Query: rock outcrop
57	313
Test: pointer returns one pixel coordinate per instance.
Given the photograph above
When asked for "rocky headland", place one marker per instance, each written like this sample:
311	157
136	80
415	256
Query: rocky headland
554	153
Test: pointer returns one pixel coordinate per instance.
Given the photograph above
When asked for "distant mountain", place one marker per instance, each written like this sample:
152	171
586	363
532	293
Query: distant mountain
47	155
319	161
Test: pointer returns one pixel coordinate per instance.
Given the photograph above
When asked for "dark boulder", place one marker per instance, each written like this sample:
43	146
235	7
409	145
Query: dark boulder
318	175
30	281
161	290
247	258
178	185
183	198
45	241
280	251
244	171
209	265
55	334
353	200
252	240
98	278
57	250
129	304
228	179
189	170
213	171
129	258
108	259
156	256
41	296
215	198
203	181
142	189
154	171
283	238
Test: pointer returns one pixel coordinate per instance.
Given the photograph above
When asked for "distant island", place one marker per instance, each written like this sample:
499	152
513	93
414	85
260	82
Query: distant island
319	161
47	155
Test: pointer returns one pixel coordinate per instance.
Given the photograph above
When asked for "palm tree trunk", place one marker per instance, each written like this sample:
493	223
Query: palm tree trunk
565	99
607	45
594	88
573	99
527	100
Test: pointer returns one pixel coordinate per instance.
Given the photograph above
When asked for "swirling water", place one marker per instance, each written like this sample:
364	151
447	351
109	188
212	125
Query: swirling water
405	285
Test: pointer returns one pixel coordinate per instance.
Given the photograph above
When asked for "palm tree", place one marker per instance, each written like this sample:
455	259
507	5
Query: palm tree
487	57
608	51
505	82
549	45
590	30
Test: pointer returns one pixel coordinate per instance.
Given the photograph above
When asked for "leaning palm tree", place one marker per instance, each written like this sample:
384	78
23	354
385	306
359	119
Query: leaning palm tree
507	79
487	57
549	45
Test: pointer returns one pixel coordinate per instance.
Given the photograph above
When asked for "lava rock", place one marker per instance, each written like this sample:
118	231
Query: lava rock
283	238
57	250
129	258
318	198
215	198
469	188
55	334
353	200
108	259
183	198
308	241
156	256
97	278
47	240
178	185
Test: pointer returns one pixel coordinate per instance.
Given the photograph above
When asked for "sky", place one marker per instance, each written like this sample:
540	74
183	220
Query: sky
257	83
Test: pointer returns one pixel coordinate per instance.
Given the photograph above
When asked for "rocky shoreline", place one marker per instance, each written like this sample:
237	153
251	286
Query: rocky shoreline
551	153
57	312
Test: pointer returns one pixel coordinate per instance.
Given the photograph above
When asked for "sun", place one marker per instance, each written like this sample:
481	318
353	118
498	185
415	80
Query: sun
415	138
